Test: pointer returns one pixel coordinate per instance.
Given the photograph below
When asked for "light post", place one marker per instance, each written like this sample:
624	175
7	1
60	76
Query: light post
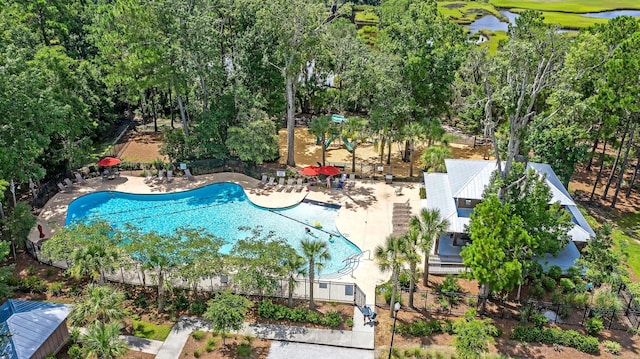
396	308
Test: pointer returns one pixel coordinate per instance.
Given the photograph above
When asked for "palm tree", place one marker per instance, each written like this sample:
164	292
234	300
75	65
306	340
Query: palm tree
356	130
389	257
294	265
99	303
103	341
92	261
431	227
322	127
434	156
410	254
316	252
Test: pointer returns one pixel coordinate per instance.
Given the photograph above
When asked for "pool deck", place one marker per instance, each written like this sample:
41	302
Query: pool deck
365	216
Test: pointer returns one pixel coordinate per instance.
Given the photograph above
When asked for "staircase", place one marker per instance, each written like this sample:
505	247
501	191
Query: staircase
400	218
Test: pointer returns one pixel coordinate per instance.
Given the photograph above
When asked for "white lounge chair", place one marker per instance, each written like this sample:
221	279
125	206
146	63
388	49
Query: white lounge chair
61	187
280	184
352	180
263	181
80	179
169	176
160	176
299	185
149	178
270	183
187	173
398	191
289	185
68	183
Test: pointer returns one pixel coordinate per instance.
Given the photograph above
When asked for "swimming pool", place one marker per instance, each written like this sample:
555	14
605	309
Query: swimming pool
221	209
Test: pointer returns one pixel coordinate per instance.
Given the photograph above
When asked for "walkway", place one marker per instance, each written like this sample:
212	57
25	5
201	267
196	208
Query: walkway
360	337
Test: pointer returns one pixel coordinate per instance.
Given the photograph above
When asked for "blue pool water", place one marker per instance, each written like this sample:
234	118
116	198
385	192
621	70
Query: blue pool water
219	208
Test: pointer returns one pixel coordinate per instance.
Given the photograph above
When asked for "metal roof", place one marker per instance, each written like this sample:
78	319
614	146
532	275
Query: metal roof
467	179
29	324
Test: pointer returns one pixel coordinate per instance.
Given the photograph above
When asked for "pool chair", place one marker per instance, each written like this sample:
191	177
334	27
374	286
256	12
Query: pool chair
169	176
280	184
80	179
160	178
270	183
68	183
61	187
398	191
289	185
149	178
263	181
299	185
187	173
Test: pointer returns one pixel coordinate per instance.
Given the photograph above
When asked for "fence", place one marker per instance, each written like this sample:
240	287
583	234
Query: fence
135	275
456	304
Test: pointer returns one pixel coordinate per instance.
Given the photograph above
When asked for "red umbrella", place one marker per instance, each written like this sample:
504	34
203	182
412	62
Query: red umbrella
309	171
329	170
108	161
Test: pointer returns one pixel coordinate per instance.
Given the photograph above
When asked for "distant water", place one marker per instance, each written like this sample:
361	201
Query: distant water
612	14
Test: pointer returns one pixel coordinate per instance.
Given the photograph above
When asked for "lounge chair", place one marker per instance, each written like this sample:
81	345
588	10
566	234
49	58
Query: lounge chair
160	178
299	185
289	185
280	184
61	187
263	181
352	180
68	183
187	173
398	191
270	183
149	178
169	176
80	179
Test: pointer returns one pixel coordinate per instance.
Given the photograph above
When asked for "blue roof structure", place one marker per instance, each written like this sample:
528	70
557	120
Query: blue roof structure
28	325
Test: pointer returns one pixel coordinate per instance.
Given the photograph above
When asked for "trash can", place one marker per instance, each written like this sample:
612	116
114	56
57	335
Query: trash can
388	178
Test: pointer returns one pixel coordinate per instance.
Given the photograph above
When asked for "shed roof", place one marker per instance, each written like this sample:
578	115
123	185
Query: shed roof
29	324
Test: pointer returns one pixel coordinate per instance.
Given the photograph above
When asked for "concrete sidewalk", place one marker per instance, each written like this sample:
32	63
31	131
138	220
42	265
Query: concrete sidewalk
361	337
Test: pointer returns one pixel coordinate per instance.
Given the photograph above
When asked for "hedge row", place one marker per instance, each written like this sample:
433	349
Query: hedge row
269	310
422	328
567	338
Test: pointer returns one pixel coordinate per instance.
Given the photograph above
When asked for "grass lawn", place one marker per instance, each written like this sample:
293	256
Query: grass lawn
467	12
150	331
574	6
570	21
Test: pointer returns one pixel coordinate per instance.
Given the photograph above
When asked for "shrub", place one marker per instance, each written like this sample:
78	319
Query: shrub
266	309
55	288
539	320
141	301
449	285
33	284
536	291
349	322
580	299
568	338
567	285
549	283
420	328
244	350
75	352
611	347
49	272
314	317
298	315
31	270
554	272
332	319
198	335
181	302
574	272
535	271
198	307
608	300
557	297
197	353
594	326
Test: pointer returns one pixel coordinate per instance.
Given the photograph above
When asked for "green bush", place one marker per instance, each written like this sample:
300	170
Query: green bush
549	283
244	350
420	328
198	334
611	347
554	272
449	285
568	338
536	291
33	284
197	353
539	320
314	317
349	322
141	301
181	303
580	299
594	326
423	193
74	352
574	273
567	285
55	288
198	307
298	315
332	319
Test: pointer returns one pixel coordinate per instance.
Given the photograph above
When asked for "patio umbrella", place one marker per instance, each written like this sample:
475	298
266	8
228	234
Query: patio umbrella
329	170
108	162
309	171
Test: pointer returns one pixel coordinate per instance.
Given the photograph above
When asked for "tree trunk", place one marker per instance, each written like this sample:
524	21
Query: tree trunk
291	284
425	275
389	152
593	152
290	121
595	183
392	301
185	125
324	148
160	292
485	289
411	160
407	151
623	167
153	110
312	276
353	159
615	163
635	175
412	284
171	109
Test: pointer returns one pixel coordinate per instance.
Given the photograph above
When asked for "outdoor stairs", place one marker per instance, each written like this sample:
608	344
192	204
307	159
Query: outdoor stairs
446	264
400	218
